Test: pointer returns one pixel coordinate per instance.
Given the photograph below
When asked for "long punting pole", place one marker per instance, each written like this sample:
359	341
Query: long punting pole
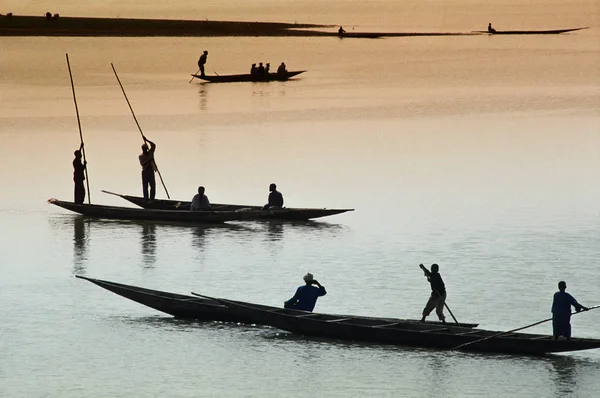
194	76
445	305
458	347
139	128
87	180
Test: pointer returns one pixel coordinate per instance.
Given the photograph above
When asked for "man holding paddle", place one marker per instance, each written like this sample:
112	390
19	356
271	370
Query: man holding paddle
561	311
438	293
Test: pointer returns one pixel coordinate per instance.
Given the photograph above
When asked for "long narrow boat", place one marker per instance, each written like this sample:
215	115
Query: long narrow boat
269	77
530	32
290	214
194	307
445	336
129	213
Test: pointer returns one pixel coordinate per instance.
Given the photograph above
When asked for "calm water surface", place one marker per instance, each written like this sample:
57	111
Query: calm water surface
478	153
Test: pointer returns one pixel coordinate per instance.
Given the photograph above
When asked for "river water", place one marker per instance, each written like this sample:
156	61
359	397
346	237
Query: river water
478	153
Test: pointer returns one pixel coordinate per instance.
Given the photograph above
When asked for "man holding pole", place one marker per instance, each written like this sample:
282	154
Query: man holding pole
148	168
438	293
561	311
202	62
79	176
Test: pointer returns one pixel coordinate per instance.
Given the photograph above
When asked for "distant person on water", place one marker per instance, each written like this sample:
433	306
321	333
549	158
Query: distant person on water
148	169
306	296
490	29
79	176
202	62
561	311
253	69
275	198
341	31
200	201
438	293
281	70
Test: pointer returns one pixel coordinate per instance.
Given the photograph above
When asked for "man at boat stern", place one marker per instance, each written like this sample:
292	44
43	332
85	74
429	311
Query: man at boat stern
437	299
148	169
79	175
306	296
561	311
275	198
202	62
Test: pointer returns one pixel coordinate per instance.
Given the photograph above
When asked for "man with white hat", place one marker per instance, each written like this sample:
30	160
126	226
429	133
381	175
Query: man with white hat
306	296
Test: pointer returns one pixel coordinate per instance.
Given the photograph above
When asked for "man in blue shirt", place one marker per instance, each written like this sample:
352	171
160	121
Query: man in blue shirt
306	296
561	311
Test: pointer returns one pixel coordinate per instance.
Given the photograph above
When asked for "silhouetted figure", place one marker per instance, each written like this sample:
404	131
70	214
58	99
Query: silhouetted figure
275	198
253	69
341	31
261	69
55	16
79	176
438	293
200	201
48	15
281	70
306	296
490	29
561	311
202	62
148	169
267	68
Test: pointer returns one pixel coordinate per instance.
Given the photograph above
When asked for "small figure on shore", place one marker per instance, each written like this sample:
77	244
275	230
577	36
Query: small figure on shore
281	69
261	69
490	29
561	311
341	31
438	293
202	62
148	169
306	296
79	175
275	198
200	201
253	69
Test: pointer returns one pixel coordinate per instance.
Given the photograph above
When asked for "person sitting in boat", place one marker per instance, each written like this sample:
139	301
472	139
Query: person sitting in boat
490	29
200	201
281	70
253	69
267	68
341	31
306	296
202	62
275	198
261	69
79	175
437	299
561	311
148	169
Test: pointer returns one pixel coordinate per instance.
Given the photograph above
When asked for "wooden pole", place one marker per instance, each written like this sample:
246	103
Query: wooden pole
514	330
87	180
194	76
445	305
139	128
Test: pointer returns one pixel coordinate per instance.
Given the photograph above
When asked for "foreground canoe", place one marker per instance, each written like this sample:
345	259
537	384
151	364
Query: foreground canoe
444	336
290	214
128	213
198	308
530	32
269	77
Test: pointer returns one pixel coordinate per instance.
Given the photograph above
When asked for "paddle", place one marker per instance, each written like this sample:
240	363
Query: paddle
193	76
139	128
514	330
438	293
80	133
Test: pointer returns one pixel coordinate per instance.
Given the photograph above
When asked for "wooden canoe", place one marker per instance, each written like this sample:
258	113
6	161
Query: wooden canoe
530	32
290	214
411	333
135	214
269	77
198	308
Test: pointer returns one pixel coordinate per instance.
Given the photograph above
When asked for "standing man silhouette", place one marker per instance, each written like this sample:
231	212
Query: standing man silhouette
202	62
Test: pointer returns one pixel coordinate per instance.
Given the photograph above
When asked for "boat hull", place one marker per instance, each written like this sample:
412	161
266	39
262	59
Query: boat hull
530	32
289	214
270	77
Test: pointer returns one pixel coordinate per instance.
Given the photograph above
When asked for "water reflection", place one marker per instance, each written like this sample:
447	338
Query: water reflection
149	244
80	240
564	369
203	92
275	231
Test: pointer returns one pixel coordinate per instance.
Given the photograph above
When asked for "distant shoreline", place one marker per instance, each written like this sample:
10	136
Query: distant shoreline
82	26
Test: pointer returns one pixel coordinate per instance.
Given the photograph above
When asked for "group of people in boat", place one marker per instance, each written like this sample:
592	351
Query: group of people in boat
262	70
200	201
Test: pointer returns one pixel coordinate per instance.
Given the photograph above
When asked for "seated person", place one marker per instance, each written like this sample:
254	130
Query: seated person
306	296
253	69
281	69
275	198
200	201
490	29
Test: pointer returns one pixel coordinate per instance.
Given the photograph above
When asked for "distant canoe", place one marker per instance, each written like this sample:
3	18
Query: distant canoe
365	35
269	77
290	214
134	214
530	32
